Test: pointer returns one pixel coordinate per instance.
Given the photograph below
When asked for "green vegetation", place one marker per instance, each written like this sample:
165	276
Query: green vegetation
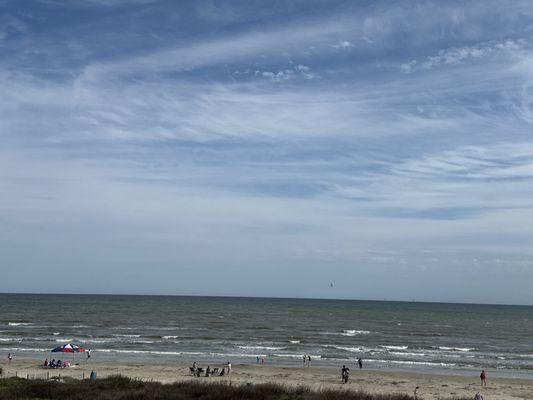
118	388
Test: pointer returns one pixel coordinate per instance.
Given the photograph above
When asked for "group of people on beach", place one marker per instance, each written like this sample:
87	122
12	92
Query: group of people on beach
198	371
56	364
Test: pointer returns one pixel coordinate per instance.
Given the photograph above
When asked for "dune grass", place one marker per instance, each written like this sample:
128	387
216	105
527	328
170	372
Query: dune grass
118	387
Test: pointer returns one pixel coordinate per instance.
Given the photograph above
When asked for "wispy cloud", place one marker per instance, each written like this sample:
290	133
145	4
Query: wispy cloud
454	56
301	136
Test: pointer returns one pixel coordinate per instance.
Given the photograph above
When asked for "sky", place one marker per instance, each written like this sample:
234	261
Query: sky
328	149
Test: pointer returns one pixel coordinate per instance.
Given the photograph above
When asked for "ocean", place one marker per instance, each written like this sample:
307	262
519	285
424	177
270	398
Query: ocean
433	337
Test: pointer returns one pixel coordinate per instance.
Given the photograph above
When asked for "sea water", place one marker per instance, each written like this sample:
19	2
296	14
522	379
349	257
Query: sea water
433	337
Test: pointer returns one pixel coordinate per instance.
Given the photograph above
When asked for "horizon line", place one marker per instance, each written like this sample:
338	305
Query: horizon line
269	298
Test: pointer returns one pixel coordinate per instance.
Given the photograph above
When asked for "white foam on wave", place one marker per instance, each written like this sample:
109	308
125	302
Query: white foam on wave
260	348
395	347
170	353
441	364
98	341
55	333
401	353
294	341
9	339
175	353
19	323
62	340
299	356
455	348
346	332
353	332
350	349
170	337
126	336
26	349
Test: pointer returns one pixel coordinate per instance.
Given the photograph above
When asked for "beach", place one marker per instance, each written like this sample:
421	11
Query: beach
431	386
441	348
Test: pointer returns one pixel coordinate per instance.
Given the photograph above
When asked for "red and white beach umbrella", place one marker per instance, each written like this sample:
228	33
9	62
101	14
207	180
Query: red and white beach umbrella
68	348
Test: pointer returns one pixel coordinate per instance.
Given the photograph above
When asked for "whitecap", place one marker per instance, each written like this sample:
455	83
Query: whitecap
172	353
413	363
98	341
126	336
299	356
353	332
455	348
260	348
350	349
19	323
396	347
398	353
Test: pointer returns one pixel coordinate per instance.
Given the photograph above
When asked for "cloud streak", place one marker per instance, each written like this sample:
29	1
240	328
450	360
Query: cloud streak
298	137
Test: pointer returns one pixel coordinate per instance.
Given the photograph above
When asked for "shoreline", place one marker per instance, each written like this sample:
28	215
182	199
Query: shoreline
432	386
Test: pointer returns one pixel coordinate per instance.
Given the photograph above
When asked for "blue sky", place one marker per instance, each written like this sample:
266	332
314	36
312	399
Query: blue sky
248	148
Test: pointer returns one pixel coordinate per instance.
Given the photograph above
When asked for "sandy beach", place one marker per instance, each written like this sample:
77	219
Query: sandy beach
316	377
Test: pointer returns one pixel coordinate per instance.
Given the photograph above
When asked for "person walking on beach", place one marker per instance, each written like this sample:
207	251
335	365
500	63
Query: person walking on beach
229	367
483	377
360	362
305	359
88	354
9	357
308	360
345	374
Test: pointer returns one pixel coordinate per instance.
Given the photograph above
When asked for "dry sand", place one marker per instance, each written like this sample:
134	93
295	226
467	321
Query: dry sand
316	377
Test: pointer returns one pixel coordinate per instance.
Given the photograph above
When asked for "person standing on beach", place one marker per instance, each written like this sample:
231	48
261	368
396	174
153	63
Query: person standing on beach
483	377
88	354
308	360
360	362
345	374
9	357
229	367
305	359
